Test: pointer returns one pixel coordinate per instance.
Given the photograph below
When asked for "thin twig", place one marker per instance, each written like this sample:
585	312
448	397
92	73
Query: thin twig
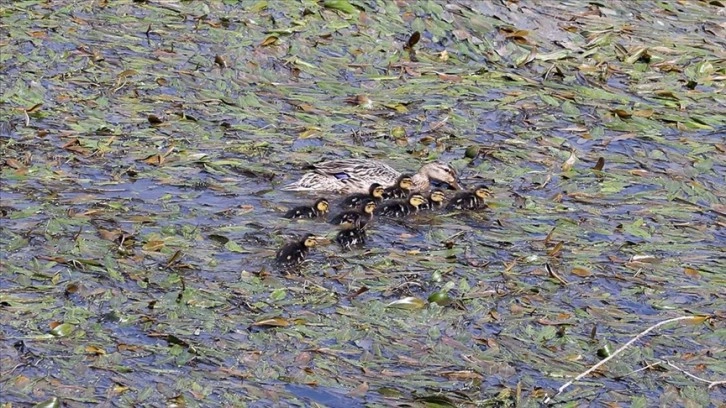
710	383
649	366
618	351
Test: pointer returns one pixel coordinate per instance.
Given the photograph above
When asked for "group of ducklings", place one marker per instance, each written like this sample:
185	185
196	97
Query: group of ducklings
396	201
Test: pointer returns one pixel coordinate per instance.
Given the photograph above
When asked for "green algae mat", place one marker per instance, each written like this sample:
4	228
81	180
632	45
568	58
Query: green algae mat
143	145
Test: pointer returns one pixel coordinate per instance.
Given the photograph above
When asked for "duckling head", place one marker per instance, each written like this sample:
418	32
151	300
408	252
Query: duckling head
482	192
369	207
405	182
377	190
309	240
322	205
417	200
437	196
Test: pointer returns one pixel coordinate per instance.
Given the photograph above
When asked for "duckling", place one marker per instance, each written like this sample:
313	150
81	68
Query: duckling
402	208
350	237
316	210
470	200
435	201
356	217
356	176
399	190
354	201
294	253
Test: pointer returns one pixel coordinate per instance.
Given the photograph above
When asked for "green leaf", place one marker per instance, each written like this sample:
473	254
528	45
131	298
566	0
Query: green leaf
62	330
341	5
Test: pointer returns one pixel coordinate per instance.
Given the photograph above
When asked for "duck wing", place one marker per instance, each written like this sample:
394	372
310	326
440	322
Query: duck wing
370	170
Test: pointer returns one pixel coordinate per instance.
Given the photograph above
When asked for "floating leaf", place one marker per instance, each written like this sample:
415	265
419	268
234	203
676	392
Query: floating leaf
408	303
234	247
274	322
95	350
440	298
62	330
581	272
691	272
219	60
340	5
155	120
54	402
567	165
270	40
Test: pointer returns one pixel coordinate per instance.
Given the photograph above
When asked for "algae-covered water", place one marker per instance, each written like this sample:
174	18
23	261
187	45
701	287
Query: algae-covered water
144	144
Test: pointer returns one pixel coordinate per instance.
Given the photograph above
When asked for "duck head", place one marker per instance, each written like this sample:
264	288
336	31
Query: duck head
442	172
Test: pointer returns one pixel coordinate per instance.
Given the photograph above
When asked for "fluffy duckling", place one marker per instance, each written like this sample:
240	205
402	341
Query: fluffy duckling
294	253
350	237
435	201
356	217
470	200
375	193
399	190
316	210
402	208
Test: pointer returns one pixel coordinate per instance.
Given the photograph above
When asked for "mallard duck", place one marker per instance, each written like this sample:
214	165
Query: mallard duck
356	176
356	217
295	252
402	208
350	237
316	210
470	200
375	192
435	200
401	189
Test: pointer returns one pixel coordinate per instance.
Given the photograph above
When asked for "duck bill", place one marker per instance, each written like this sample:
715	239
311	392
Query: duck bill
454	185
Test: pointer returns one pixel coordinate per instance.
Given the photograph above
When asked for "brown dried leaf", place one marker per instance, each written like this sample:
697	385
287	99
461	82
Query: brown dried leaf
461	375
360	390
75	146
155	120
154	160
219	60
581	272
622	114
12	163
449	78
691	272
153	246
95	350
110	235
556	250
271	40
413	40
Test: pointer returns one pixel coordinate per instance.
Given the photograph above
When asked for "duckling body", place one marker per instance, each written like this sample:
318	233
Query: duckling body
400	190
294	253
470	200
318	209
375	193
402	208
356	176
435	201
360	218
351	237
